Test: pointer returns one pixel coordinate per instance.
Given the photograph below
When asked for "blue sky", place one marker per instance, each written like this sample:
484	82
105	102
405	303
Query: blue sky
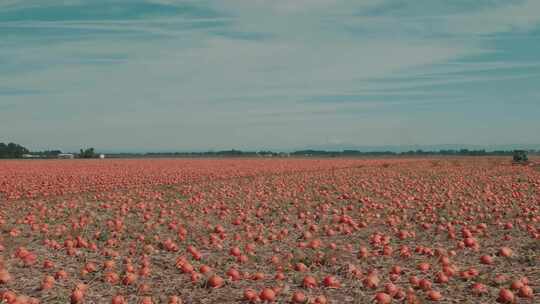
253	74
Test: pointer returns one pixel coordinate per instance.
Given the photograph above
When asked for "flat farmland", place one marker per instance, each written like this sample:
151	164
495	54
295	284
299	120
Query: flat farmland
418	230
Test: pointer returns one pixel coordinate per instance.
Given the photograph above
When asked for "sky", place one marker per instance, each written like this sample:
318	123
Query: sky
164	75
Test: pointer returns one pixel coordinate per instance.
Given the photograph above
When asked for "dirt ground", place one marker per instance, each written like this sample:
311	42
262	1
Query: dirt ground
286	224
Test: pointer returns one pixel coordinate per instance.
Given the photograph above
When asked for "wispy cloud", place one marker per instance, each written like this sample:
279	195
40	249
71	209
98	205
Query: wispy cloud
157	66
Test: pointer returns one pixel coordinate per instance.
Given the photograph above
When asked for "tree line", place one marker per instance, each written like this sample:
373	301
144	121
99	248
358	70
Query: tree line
12	150
324	153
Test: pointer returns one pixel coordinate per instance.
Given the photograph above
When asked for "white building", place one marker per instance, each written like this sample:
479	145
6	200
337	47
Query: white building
102	156
30	156
66	156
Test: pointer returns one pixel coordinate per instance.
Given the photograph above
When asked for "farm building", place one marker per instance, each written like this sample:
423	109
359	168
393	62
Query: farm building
66	156
30	156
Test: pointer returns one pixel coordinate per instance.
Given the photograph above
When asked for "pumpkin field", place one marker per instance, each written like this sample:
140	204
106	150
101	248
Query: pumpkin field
283	230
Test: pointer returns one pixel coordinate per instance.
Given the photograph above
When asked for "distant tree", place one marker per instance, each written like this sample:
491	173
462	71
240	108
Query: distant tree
12	150
87	153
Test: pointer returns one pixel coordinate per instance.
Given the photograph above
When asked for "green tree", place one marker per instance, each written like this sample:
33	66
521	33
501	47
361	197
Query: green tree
87	153
12	150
